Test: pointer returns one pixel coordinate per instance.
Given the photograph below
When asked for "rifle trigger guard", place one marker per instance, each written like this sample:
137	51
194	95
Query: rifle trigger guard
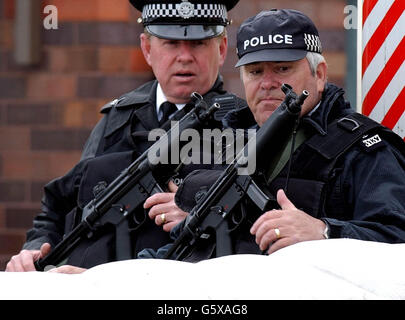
92	229
137	221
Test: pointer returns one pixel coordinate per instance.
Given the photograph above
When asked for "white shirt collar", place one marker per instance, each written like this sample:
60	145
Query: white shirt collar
314	109
161	98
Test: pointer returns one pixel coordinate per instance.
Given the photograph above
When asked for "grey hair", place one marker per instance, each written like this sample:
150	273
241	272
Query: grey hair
314	59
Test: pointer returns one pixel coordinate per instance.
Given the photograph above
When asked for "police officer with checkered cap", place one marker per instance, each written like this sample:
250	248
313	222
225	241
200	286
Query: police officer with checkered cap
185	45
185	19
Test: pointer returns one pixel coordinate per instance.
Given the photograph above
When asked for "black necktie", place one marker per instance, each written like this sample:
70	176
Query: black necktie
167	108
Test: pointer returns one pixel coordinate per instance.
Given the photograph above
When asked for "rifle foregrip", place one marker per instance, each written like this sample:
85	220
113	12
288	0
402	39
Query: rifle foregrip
49	260
38	265
42	263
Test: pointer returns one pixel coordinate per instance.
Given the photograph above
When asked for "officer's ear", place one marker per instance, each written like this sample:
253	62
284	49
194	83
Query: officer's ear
223	49
321	76
145	46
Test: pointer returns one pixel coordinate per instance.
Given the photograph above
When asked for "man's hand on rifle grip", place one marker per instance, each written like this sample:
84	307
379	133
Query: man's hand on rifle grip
163	208
24	261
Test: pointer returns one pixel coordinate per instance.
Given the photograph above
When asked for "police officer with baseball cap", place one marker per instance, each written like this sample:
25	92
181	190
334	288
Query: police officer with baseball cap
328	189
341	175
189	61
184	20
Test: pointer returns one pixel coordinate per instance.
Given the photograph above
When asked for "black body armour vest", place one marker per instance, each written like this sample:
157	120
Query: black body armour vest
317	162
310	186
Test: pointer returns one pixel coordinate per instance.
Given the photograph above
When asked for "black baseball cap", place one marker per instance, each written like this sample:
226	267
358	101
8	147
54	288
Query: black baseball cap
276	35
184	19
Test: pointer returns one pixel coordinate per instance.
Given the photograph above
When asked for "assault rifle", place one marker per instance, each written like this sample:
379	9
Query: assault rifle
141	179
213	213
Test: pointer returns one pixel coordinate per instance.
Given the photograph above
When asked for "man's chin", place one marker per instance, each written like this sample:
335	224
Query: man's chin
182	91
264	116
181	94
185	92
185	95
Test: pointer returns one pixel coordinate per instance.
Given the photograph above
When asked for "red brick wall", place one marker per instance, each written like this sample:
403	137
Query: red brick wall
48	110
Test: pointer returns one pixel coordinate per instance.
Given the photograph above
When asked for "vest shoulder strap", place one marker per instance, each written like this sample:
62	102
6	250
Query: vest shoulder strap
342	134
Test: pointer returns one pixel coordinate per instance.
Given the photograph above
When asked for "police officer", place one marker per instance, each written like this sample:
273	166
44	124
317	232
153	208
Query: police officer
185	43
346	177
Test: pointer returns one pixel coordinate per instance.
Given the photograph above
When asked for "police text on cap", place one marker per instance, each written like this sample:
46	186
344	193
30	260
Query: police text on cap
264	40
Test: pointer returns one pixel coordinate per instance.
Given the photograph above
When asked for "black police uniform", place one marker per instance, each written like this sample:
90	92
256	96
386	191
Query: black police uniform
353	177
121	136
117	140
350	172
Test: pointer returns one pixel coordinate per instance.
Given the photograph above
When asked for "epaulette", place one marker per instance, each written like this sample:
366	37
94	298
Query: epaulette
112	104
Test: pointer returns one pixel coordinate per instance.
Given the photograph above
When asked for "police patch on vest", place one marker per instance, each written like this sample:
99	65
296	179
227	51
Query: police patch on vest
371	143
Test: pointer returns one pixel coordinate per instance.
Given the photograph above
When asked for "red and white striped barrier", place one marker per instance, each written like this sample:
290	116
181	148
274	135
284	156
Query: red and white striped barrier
382	34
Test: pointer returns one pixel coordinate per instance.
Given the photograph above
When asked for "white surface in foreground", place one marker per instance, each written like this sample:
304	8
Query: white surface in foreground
325	269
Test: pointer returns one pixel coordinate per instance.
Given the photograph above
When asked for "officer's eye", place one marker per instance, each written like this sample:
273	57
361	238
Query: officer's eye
255	72
198	43
254	69
282	68
171	42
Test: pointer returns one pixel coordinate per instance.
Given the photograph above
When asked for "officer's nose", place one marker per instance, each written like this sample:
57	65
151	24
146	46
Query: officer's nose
269	81
185	52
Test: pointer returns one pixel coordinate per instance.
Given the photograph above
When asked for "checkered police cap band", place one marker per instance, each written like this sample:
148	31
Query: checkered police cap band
216	13
313	43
